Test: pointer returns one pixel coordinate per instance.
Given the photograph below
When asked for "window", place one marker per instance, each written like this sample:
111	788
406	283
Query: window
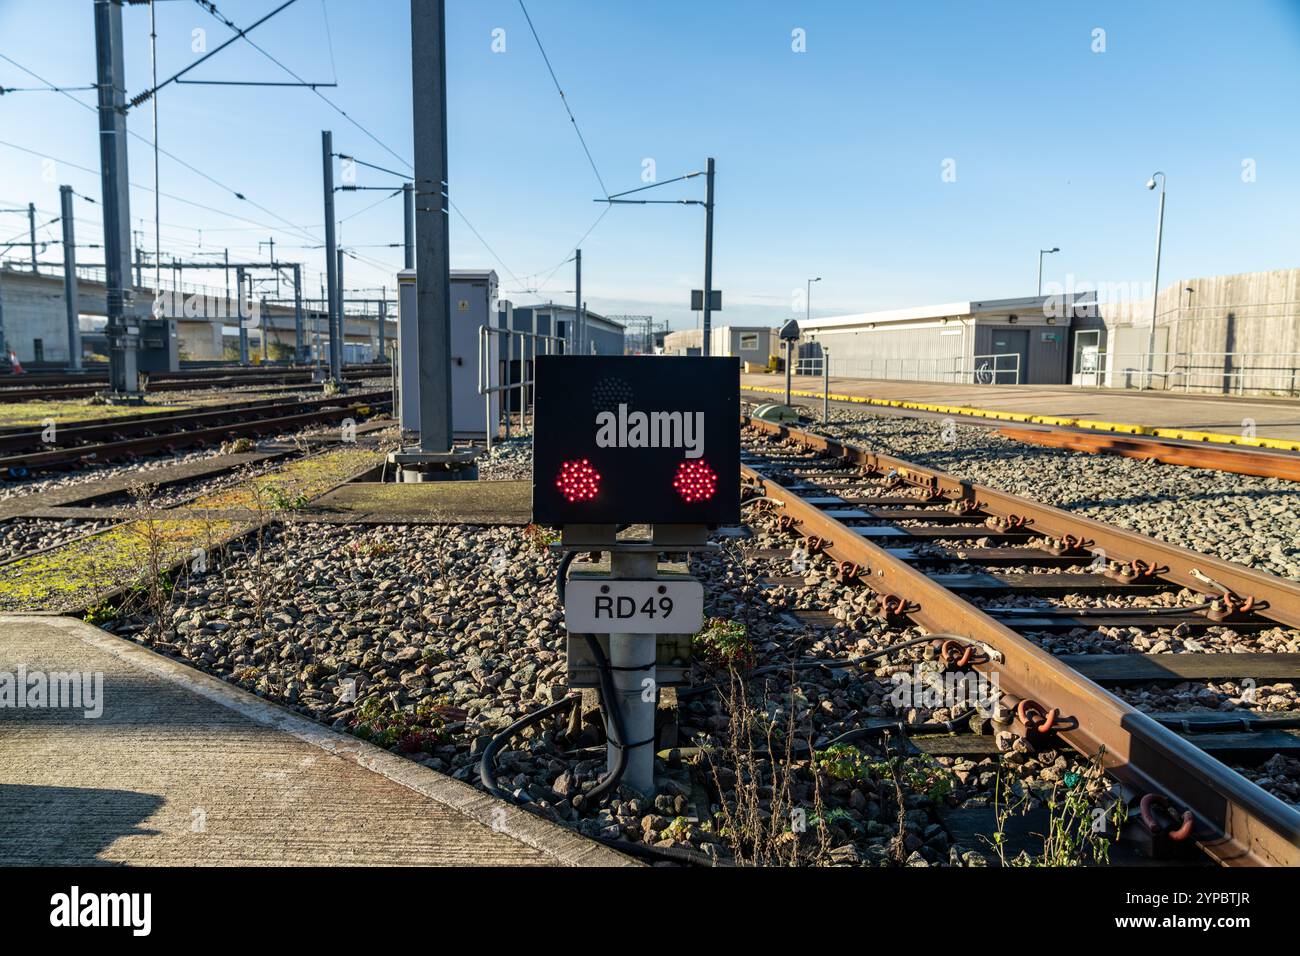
749	341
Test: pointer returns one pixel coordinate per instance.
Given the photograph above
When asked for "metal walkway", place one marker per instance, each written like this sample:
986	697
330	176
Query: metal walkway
183	769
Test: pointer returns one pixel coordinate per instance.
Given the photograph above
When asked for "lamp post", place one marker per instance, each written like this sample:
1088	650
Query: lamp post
1041	253
807	300
1155	282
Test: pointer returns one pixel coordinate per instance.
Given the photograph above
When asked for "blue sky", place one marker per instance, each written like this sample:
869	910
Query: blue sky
830	161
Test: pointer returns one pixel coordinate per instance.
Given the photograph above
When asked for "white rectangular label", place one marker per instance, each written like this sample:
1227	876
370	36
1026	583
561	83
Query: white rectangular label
606	606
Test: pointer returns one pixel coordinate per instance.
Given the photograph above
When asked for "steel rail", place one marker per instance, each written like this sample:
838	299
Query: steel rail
1175	563
1236	822
73	391
169	441
1241	461
74	436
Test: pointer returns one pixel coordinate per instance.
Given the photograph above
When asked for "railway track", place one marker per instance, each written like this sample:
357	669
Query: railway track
959	558
23	453
18	391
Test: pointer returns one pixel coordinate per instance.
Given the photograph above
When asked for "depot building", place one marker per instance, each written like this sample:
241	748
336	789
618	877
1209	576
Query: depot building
998	341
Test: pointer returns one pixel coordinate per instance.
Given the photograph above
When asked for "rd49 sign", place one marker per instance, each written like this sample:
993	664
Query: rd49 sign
605	606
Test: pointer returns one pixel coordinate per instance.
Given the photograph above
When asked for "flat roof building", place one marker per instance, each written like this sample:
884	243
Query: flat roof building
994	341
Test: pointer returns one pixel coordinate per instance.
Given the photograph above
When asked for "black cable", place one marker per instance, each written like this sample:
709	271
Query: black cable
487	765
1059	611
607	696
904	730
674	854
831	664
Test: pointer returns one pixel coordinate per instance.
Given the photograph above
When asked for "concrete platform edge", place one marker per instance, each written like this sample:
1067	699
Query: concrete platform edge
566	847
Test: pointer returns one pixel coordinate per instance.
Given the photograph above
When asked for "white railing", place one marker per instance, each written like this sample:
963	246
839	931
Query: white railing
1225	373
531	345
1001	368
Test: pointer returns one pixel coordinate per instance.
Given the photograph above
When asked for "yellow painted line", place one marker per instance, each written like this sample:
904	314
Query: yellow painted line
1280	444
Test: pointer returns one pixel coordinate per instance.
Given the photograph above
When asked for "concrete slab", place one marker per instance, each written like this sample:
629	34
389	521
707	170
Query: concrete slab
183	769
430	502
1273	418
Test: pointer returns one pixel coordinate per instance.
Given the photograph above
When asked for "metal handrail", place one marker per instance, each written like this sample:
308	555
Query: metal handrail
1225	372
552	344
1001	368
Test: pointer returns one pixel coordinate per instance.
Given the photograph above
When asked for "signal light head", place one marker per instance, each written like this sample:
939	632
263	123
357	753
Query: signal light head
695	481
578	481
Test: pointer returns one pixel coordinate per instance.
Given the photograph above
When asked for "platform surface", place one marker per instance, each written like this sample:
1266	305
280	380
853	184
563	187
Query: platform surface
183	769
1273	418
430	502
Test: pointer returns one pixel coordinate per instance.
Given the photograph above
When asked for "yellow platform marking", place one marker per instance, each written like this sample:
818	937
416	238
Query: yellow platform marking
1282	444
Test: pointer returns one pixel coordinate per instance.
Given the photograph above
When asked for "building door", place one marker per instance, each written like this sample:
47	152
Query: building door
1009	363
1087	359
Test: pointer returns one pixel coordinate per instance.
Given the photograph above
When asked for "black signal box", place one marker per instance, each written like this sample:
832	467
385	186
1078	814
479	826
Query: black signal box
636	439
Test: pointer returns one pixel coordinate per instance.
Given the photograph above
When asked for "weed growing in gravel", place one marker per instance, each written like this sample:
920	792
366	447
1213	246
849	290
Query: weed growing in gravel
844	762
100	613
756	777
371	549
283	500
540	538
381	722
724	642
1073	836
922	774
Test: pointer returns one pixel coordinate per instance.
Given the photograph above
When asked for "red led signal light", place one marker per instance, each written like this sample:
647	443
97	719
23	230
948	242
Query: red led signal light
695	481
578	481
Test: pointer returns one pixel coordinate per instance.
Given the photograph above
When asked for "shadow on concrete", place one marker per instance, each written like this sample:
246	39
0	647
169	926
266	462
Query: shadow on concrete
68	826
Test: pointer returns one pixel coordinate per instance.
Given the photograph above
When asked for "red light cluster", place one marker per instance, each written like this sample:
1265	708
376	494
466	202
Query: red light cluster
578	481
695	481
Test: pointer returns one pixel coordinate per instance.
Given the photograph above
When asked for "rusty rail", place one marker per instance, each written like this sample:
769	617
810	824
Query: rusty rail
1236	822
1275	598
1239	461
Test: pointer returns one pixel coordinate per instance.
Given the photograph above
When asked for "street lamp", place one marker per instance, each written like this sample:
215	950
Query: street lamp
807	300
1155	282
1041	253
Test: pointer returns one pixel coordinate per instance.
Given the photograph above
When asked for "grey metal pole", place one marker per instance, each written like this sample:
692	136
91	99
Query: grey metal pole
408	226
343	315
433	276
708	260
826	386
70	278
139	272
239	311
331	257
1041	253
4	352
578	347
123	378
31	226
789	365
298	346
1155	282
383	320
632	659
508	394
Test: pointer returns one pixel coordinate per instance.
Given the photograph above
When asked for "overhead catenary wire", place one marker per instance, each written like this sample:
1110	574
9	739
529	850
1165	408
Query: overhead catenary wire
211	8
238	194
563	99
